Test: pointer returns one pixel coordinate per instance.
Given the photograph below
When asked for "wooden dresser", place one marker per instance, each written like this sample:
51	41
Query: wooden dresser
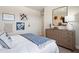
64	38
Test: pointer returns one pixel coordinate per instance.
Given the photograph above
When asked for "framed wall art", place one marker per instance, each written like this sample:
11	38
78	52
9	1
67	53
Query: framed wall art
20	25
7	16
58	16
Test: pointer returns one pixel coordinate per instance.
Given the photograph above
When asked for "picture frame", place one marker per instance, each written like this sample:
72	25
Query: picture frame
20	26
58	16
7	16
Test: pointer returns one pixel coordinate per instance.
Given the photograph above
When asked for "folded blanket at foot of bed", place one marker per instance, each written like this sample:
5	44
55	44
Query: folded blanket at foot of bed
38	40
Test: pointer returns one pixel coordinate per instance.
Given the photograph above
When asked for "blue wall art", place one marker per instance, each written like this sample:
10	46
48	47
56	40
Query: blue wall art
20	26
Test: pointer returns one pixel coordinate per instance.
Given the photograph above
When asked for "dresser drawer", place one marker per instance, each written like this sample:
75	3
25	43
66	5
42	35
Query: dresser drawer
65	38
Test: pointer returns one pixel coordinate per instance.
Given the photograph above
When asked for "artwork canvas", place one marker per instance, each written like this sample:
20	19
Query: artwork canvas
59	21
59	16
20	26
7	16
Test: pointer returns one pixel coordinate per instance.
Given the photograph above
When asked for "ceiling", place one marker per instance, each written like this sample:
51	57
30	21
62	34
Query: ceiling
38	8
41	8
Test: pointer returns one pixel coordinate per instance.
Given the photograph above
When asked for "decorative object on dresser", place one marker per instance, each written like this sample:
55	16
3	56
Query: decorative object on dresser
63	37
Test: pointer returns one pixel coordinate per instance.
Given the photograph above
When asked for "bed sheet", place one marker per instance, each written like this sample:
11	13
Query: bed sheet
23	45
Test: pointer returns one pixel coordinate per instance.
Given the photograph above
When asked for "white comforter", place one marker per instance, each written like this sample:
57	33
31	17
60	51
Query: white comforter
21	44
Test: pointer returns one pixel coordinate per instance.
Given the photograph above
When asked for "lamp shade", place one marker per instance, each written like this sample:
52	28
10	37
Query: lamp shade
69	18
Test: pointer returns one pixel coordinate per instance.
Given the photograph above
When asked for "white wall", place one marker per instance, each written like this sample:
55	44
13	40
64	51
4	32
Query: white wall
48	16
34	18
74	11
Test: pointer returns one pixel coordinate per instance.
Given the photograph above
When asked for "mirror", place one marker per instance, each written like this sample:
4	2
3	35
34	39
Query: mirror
59	14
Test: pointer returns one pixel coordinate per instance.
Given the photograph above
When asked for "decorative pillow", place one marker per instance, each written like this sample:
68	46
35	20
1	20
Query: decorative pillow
5	40
1	33
4	44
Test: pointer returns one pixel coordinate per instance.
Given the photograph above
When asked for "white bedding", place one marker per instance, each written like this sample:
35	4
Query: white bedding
21	44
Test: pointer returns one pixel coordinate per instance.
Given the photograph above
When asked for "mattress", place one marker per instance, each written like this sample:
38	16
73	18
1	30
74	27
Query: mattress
23	45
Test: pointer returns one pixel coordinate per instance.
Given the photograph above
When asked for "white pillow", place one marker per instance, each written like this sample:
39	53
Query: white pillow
5	40
1	33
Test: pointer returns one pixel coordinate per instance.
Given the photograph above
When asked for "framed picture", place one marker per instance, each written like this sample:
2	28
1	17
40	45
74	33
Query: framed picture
6	16
58	16
20	25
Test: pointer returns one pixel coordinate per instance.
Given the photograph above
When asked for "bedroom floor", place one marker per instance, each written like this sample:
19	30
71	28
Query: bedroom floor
64	50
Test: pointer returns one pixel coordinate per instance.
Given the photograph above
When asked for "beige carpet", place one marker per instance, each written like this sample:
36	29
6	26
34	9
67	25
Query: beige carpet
63	50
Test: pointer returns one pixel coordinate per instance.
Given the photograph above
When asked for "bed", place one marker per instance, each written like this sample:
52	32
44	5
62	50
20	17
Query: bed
20	44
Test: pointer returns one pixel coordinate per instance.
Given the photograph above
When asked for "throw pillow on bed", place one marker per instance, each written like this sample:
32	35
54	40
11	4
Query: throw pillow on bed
5	40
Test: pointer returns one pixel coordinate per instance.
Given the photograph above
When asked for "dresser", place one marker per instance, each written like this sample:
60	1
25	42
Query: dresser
63	37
